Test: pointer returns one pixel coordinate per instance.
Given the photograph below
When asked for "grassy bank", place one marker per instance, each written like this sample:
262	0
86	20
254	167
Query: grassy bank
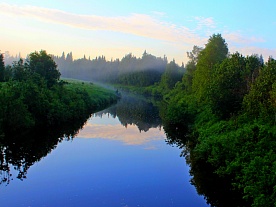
99	97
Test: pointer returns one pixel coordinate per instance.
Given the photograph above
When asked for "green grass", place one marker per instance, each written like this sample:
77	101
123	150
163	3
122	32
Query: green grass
99	96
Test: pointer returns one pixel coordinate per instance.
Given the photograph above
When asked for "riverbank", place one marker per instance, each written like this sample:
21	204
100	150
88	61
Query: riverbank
32	95
99	96
26	104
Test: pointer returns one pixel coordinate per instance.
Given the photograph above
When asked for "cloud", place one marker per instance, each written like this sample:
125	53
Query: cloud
205	22
247	45
265	52
238	38
135	24
130	135
174	37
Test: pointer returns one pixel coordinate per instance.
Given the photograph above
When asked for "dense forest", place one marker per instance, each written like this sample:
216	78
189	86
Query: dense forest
130	70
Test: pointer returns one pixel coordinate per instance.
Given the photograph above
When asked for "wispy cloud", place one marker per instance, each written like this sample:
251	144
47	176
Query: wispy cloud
255	50
247	45
136	24
238	38
205	22
154	26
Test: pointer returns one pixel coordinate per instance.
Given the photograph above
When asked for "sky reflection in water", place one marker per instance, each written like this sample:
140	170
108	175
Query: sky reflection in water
107	165
113	130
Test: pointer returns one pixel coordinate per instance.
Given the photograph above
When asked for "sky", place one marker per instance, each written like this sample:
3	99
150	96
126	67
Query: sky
116	28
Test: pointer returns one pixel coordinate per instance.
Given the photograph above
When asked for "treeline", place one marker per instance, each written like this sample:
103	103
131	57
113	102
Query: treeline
32	95
224	110
129	71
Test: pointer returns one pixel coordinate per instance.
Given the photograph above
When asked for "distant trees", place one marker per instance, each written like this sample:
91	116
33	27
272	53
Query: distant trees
130	70
171	76
2	67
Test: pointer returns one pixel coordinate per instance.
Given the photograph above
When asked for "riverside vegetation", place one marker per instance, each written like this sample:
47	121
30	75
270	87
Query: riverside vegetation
31	95
37	111
220	108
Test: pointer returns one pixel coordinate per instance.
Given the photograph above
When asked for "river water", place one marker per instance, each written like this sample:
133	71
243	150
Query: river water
120	158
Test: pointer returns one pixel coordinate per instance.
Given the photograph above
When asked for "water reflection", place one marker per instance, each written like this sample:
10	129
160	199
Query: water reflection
132	110
216	190
130	135
142	125
138	116
20	151
95	170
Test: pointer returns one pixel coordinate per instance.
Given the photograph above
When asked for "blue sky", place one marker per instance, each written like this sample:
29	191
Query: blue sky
116	28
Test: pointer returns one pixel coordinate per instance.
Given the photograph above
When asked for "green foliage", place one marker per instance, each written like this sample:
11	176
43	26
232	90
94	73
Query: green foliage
227	86
34	97
215	52
260	102
190	68
20	71
228	121
170	77
14	113
245	151
44	65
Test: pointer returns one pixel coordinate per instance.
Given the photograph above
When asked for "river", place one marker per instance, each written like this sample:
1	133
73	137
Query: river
120	158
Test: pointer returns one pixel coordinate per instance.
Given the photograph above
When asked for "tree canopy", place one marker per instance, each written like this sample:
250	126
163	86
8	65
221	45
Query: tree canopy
44	65
215	51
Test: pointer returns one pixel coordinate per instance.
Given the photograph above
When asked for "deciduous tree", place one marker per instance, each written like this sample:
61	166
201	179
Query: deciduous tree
215	52
44	65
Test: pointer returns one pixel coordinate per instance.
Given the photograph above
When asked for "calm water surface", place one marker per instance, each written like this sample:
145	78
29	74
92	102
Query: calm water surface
108	164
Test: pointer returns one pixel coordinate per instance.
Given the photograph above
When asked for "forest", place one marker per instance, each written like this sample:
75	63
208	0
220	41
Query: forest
129	71
220	108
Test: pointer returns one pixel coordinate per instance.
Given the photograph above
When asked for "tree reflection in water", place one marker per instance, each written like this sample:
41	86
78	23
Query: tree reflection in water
217	191
20	151
132	110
